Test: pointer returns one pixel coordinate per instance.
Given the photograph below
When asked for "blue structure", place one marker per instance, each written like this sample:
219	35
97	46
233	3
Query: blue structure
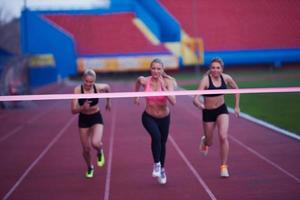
262	56
41	37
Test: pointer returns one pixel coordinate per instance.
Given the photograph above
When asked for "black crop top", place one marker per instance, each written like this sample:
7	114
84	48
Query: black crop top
93	101
212	87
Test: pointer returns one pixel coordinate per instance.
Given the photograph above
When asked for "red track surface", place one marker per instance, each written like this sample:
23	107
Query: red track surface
41	156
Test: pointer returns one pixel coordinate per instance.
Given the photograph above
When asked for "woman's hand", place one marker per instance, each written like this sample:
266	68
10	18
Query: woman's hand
162	84
86	106
198	104
237	111
137	100
108	105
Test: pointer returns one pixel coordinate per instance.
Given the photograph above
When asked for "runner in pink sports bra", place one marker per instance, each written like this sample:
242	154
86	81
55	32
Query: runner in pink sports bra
156	117
154	99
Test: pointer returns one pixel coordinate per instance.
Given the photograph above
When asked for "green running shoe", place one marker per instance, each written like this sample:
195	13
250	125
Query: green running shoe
90	172
100	158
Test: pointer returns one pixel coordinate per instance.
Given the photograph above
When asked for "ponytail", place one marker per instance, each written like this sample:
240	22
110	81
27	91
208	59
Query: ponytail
165	75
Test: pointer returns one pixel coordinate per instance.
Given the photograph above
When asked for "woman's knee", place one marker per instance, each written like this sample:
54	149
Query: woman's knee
208	140
86	150
96	144
156	144
209	143
223	139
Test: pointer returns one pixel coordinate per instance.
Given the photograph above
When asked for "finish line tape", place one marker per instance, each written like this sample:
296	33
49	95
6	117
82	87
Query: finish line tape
146	94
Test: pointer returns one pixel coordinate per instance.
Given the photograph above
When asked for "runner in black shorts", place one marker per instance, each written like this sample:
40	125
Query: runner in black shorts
90	121
214	110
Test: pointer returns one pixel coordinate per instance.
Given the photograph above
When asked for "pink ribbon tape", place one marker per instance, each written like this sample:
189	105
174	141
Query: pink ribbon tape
146	94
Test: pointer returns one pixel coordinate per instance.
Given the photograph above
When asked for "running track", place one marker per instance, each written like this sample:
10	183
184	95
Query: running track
41	156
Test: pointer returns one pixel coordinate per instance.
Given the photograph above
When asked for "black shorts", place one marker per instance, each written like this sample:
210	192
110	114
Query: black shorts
87	121
211	115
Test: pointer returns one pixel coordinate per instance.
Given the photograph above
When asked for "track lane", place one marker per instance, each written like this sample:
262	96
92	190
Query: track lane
131	165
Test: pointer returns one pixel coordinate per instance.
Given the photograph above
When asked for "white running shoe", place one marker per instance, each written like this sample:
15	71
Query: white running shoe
156	170
162	179
203	148
224	171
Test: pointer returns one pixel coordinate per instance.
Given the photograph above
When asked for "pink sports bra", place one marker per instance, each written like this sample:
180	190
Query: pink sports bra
155	99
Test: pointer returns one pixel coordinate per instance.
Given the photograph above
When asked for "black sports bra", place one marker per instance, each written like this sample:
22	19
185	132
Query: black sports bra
93	101
212	87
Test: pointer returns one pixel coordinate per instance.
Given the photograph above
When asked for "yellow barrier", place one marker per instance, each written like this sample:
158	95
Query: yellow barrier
192	51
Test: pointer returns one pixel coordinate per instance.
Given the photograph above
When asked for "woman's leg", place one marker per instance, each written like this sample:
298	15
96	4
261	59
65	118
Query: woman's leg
97	134
151	126
164	130
208	128
85	143
223	125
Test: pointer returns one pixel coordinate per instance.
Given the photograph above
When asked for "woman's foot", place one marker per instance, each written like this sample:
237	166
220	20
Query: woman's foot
224	171
90	172
156	169
203	147
100	158
162	179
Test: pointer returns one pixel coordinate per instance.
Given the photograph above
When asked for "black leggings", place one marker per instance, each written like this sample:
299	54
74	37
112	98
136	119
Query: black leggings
158	128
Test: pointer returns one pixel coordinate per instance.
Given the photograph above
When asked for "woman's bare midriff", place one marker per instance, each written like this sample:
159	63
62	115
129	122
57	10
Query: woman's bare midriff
157	110
92	110
213	102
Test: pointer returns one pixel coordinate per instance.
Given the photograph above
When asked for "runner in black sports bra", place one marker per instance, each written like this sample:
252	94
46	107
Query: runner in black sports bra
93	101
214	111
90	121
213	87
211	115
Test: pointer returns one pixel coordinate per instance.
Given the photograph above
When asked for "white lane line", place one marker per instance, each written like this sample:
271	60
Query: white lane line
267	125
262	123
10	133
42	154
111	144
30	121
193	170
255	153
265	159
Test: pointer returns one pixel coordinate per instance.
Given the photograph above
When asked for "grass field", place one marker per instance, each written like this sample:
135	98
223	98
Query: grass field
244	72
280	109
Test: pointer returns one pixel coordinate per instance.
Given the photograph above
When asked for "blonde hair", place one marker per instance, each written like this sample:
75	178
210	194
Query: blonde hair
164	74
218	60
157	60
215	59
89	72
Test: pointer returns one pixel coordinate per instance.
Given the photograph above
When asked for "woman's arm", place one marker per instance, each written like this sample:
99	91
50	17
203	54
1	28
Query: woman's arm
140	81
75	108
232	84
201	86
167	84
105	88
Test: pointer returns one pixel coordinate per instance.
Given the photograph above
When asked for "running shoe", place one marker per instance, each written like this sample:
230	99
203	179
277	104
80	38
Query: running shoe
224	171
90	172
156	169
100	158
162	179
203	148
